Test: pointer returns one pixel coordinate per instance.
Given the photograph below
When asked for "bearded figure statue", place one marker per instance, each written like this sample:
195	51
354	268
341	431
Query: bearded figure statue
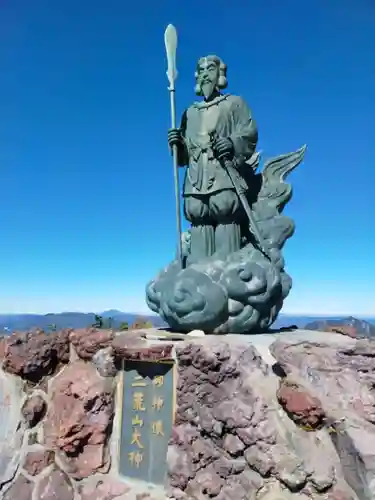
233	278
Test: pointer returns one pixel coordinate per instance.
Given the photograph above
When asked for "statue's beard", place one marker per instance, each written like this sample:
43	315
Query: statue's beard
207	89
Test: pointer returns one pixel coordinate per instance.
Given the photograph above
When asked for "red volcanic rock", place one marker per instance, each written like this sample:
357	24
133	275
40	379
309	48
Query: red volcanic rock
55	486
35	355
79	419
21	489
34	410
303	408
88	341
133	346
37	461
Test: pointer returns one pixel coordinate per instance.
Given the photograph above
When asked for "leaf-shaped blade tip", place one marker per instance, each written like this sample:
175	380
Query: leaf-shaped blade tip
170	40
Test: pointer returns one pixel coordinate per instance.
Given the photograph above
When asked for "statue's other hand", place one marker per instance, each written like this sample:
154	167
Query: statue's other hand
174	137
223	147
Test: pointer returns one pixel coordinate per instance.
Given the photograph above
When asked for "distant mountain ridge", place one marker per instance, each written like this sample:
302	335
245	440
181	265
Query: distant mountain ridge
361	327
285	320
22	322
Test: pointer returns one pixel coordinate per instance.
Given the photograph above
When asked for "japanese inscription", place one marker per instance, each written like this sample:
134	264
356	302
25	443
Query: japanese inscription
147	418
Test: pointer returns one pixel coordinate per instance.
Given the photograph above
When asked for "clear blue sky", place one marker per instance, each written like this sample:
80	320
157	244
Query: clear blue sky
87	202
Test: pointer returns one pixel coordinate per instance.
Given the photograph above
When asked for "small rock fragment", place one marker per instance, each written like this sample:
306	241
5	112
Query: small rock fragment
33	410
104	362
233	444
36	461
303	408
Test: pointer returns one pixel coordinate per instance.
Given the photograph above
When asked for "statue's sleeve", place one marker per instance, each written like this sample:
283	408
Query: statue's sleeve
245	131
183	156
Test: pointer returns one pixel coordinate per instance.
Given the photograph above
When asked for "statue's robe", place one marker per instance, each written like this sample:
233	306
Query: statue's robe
227	116
212	204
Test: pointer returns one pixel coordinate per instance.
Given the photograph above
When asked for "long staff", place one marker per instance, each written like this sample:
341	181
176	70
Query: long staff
170	40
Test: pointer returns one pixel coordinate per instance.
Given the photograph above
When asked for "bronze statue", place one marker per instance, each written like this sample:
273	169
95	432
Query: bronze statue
218	127
230	275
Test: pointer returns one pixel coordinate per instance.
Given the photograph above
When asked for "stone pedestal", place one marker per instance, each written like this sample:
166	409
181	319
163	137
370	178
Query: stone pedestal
284	416
233	440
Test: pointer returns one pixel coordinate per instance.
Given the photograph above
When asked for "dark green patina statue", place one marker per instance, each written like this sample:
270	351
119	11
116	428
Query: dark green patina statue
230	276
217	128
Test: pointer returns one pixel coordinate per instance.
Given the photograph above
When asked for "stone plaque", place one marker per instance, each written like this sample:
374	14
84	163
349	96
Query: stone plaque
148	392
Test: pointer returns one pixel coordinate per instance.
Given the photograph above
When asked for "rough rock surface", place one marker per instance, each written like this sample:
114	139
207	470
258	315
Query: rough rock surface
103	489
21	489
79	419
34	410
55	486
232	440
11	434
343	378
133	346
303	429
32	356
36	461
88	341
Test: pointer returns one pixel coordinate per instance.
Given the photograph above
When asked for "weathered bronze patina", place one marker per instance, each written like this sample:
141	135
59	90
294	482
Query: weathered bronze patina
230	276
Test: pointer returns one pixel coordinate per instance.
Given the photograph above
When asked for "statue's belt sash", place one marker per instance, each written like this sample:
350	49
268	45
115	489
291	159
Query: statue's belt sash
195	150
202	159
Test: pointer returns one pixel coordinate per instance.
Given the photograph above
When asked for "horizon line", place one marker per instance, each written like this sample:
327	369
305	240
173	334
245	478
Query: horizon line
150	313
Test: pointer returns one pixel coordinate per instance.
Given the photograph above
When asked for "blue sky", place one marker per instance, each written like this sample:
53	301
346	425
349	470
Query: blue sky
87	202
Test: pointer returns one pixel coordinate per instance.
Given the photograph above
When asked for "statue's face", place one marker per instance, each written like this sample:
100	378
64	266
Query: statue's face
208	76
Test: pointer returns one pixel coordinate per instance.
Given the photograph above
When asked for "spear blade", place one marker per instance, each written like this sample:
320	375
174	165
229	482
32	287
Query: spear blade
170	40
